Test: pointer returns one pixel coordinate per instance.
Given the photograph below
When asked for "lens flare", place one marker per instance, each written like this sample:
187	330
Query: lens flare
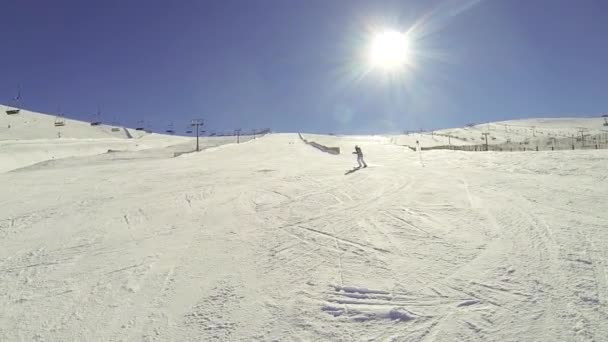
389	50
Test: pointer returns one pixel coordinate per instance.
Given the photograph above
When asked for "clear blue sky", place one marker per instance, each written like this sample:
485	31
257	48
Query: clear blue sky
293	65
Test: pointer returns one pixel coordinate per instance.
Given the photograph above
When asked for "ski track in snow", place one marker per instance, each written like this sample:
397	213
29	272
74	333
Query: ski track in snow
268	240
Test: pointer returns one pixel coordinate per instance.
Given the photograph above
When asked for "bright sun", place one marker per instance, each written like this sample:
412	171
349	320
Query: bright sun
389	50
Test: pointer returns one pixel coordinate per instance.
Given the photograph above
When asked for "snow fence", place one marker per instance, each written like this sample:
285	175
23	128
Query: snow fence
330	150
585	142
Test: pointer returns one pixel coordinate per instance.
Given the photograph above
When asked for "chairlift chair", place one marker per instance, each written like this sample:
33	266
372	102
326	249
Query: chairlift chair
115	125
14	102
170	129
59	122
140	126
96	119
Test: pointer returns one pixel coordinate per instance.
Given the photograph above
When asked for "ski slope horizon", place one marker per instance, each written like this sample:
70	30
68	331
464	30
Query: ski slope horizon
114	238
587	120
38	137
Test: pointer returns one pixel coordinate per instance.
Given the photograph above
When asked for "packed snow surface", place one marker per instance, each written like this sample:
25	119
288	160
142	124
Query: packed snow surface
270	240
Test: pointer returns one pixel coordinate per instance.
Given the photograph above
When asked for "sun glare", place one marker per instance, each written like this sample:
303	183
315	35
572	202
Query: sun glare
389	50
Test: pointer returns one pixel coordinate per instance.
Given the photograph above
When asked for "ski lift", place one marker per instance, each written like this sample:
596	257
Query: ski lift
14	102
96	120
188	130
59	121
115	125
140	125
170	129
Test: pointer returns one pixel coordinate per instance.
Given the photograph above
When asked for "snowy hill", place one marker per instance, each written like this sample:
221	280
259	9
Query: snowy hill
530	129
533	131
27	125
28	138
272	240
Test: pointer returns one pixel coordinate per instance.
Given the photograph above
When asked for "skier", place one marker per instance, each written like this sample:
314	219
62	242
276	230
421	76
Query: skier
359	156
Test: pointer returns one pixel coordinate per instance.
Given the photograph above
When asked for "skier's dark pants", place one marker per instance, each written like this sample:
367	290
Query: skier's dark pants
360	160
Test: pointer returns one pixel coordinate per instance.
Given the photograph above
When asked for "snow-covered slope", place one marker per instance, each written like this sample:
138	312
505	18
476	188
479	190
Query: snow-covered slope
533	131
29	138
27	125
271	240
